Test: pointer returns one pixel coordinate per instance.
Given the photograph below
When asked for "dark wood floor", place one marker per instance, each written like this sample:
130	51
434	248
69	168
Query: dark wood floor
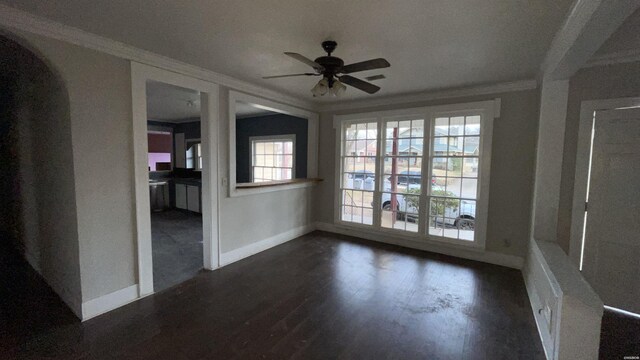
620	336
321	296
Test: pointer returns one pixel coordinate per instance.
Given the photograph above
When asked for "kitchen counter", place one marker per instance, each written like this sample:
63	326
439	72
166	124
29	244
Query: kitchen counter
188	181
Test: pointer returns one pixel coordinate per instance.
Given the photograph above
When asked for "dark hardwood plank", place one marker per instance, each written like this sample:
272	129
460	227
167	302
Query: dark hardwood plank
317	297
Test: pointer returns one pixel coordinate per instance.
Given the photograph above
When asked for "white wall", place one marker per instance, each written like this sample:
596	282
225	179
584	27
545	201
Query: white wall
247	220
99	89
47	226
512	158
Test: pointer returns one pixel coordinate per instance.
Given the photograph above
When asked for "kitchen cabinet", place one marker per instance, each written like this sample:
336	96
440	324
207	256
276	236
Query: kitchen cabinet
181	196
181	156
193	198
188	197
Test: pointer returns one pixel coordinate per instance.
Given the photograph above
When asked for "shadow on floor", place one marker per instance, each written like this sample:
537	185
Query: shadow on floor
28	308
620	336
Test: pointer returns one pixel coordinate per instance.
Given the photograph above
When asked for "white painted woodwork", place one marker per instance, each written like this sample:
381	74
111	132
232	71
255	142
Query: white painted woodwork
209	95
611	247
546	195
193	198
181	196
180	153
589	24
488	110
312	142
567	311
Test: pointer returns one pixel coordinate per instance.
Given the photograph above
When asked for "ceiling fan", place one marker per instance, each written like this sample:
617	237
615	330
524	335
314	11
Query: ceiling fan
334	72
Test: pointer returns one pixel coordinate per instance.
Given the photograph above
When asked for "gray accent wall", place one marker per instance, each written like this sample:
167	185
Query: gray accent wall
279	124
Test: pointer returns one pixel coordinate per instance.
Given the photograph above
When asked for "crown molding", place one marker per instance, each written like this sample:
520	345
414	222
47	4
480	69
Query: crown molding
16	19
617	57
431	95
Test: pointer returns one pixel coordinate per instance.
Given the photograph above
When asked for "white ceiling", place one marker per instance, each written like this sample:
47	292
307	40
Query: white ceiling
430	44
626	38
244	110
172	103
176	104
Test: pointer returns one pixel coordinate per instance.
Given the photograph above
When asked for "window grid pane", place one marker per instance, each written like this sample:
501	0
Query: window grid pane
272	160
402	174
454	161
358	159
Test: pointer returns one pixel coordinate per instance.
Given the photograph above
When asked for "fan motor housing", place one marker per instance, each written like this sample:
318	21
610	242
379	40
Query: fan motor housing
332	65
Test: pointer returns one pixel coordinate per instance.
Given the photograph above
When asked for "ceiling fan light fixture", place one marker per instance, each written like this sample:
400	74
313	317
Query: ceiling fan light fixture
338	88
321	88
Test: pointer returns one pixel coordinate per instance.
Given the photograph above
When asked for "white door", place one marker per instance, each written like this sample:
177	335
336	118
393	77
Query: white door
611	260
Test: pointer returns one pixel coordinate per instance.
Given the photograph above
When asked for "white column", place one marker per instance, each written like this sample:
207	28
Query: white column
546	196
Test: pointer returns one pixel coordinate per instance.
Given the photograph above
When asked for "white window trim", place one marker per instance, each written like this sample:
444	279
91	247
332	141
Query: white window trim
312	142
196	166
273	138
488	109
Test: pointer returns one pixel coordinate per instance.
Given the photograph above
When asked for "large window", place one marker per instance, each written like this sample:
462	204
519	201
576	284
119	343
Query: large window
402	177
455	156
417	172
272	158
358	161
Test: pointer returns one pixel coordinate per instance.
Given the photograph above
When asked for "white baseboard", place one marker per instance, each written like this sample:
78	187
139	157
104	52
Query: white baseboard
510	261
262	245
105	303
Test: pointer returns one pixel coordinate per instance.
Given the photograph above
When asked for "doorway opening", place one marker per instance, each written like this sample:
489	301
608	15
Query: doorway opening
175	127
175	162
609	248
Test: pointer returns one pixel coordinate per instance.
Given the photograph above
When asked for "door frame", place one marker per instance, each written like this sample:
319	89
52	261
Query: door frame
140	74
587	110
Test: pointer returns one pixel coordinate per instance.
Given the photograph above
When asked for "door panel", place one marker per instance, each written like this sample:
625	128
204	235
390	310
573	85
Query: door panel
611	261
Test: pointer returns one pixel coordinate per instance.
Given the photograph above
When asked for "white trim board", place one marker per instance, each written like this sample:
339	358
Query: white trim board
312	140
140	74
511	261
262	245
618	57
498	88
21	20
108	302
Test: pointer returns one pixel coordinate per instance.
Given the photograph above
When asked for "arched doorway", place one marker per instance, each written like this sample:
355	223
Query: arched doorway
39	257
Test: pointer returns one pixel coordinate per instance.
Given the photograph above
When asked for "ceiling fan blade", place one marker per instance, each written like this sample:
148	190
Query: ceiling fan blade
306	60
359	84
289	75
365	65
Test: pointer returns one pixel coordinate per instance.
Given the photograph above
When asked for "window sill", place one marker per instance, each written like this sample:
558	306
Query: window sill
258	188
416	238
